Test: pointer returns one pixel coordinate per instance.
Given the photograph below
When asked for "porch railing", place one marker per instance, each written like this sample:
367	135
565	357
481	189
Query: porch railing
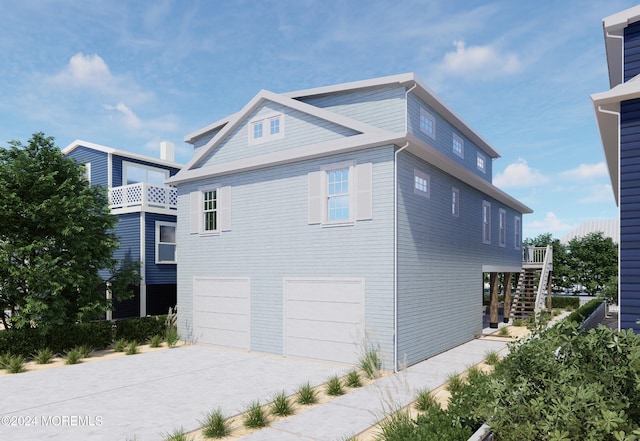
143	195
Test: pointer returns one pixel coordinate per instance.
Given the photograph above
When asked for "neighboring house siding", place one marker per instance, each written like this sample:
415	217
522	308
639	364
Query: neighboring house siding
98	160
440	259
156	274
271	239
631	51
117	168
299	129
630	214
128	232
380	107
443	141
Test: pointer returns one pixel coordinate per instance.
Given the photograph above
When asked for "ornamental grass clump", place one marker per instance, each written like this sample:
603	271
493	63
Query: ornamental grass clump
281	406
215	425
370	363
132	348
178	435
86	351
120	345
73	356
155	341
306	395
15	364
492	358
334	387
43	356
425	401
171	335
353	379
255	416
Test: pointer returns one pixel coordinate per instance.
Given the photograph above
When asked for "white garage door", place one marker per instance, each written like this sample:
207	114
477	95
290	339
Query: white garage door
221	313
324	318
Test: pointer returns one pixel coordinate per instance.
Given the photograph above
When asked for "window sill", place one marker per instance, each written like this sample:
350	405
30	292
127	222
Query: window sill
338	224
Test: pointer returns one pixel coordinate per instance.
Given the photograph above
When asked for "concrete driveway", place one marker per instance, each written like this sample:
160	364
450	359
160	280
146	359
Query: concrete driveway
145	396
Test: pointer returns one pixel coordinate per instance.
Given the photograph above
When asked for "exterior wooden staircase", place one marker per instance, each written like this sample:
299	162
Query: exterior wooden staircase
532	289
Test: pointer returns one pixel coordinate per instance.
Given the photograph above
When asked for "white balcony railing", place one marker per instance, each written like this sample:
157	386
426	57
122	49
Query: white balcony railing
143	196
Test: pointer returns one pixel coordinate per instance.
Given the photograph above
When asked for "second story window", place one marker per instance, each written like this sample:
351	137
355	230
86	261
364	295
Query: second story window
502	238
486	222
165	242
517	234
134	173
480	162
458	146
427	123
266	128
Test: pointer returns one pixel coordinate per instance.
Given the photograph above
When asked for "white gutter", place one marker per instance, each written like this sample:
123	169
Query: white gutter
616	114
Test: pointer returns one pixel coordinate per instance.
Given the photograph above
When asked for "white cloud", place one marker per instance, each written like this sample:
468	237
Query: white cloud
598	194
586	171
163	124
519	174
130	118
479	61
550	224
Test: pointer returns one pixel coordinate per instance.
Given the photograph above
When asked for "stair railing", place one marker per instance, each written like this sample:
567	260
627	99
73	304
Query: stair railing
547	267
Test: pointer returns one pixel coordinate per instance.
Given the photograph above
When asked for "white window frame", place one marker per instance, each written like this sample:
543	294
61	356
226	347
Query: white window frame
517	236
265	121
481	162
425	115
87	171
158	243
146	168
418	178
204	211
455	202
350	166
197	221
458	141
502	230
486	222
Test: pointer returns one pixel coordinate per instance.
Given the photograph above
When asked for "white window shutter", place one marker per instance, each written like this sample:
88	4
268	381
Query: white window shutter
195	212
224	196
315	197
364	191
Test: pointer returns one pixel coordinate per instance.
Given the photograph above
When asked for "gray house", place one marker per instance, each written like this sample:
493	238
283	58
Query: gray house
316	222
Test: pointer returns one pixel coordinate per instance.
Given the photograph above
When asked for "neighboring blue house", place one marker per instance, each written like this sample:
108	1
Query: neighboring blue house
618	116
146	210
316	222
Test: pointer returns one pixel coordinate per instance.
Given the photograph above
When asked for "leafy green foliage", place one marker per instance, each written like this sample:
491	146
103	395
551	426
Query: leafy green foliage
565	302
215	425
56	233
140	328
255	416
582	313
281	405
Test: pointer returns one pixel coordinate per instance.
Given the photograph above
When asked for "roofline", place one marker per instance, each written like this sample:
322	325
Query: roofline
191	137
422	91
349	144
613	29
110	150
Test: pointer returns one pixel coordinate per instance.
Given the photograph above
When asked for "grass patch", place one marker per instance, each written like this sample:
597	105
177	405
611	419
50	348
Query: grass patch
215	425
281	406
425	401
518	322
86	351
492	358
73	356
178	435
155	341
255	416
353	379
15	364
306	395
371	364
454	383
334	387
120	345
132	348
503	332
43	356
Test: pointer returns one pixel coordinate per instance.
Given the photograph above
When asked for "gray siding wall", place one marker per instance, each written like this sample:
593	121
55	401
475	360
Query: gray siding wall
299	129
444	138
271	239
381	107
440	260
98	161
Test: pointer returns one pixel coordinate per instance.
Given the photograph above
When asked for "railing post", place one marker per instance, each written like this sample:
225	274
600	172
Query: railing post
144	194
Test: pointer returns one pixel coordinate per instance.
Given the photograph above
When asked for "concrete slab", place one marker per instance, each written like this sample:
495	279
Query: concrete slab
146	395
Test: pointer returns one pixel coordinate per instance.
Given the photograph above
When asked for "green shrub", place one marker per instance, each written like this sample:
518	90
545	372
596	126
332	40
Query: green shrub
563	302
132	348
215	425
454	383
15	364
255	417
120	345
73	356
281	405
306	395
370	363
178	435
139	328
353	379
492	358
43	356
155	341
503	332
171	335
334	387
581	314
5	358
517	322
425	401
85	351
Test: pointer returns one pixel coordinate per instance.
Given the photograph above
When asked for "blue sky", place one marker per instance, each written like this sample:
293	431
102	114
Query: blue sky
129	74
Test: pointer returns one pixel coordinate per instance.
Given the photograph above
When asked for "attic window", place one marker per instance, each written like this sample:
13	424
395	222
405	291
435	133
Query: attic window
266	128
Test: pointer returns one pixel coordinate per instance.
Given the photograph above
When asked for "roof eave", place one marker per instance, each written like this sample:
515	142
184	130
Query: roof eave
112	151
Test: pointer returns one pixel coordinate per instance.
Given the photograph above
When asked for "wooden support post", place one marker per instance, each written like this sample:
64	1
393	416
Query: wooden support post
493	300
507	298
549	292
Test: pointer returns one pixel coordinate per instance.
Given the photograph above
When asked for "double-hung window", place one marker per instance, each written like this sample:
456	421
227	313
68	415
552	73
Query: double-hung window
338	196
455	202
517	235
165	242
266	128
486	222
502	236
210	210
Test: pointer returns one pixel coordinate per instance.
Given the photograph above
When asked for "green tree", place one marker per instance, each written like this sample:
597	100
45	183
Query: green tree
56	234
561	270
593	260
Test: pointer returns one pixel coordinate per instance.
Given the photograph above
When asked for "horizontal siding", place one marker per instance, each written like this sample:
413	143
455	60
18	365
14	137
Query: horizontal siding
630	213
443	141
300	129
156	274
631	51
98	161
440	261
381	107
270	239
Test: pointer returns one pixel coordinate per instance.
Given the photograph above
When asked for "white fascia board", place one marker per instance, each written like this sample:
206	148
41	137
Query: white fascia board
613	29
620	20
191	137
422	91
265	95
110	150
327	148
450	166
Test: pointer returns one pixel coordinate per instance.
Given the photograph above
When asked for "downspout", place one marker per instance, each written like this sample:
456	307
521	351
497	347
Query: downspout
617	115
395	230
